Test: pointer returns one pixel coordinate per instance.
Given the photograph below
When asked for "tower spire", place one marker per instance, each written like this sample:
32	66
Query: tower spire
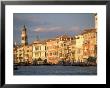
24	26
24	36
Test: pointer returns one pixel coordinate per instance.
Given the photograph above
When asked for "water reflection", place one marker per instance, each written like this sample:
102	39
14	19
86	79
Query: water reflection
55	70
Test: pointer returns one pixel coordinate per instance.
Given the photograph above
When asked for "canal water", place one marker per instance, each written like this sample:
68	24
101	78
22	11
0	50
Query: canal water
56	70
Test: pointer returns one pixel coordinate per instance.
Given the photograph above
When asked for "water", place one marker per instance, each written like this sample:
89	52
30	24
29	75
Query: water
55	70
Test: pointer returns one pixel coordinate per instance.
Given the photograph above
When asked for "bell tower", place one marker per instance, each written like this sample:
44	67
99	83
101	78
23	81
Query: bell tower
24	41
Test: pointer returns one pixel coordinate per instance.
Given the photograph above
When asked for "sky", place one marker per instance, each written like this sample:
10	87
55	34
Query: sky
50	25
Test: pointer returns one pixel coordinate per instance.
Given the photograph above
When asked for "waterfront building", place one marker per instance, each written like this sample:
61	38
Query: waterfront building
15	53
39	50
72	50
64	51
78	48
23	54
28	53
20	54
90	43
52	51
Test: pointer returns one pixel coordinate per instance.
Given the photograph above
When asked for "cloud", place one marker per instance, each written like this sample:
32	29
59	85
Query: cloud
57	29
39	29
50	29
76	29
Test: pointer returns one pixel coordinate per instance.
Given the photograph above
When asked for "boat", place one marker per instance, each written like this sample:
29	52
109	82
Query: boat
15	67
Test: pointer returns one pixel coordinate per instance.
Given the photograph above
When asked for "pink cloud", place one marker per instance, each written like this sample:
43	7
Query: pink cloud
40	29
75	30
51	29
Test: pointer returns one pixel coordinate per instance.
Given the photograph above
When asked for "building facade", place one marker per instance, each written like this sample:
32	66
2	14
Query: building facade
62	48
90	43
78	48
52	51
28	53
39	50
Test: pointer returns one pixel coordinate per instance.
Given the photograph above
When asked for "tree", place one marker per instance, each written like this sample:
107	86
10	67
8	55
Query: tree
45	61
35	62
39	59
91	59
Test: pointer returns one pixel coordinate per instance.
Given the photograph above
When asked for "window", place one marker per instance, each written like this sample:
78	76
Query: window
50	54
37	48
23	38
45	47
78	51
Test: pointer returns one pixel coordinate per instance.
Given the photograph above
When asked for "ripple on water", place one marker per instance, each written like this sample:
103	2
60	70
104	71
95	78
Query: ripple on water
56	70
